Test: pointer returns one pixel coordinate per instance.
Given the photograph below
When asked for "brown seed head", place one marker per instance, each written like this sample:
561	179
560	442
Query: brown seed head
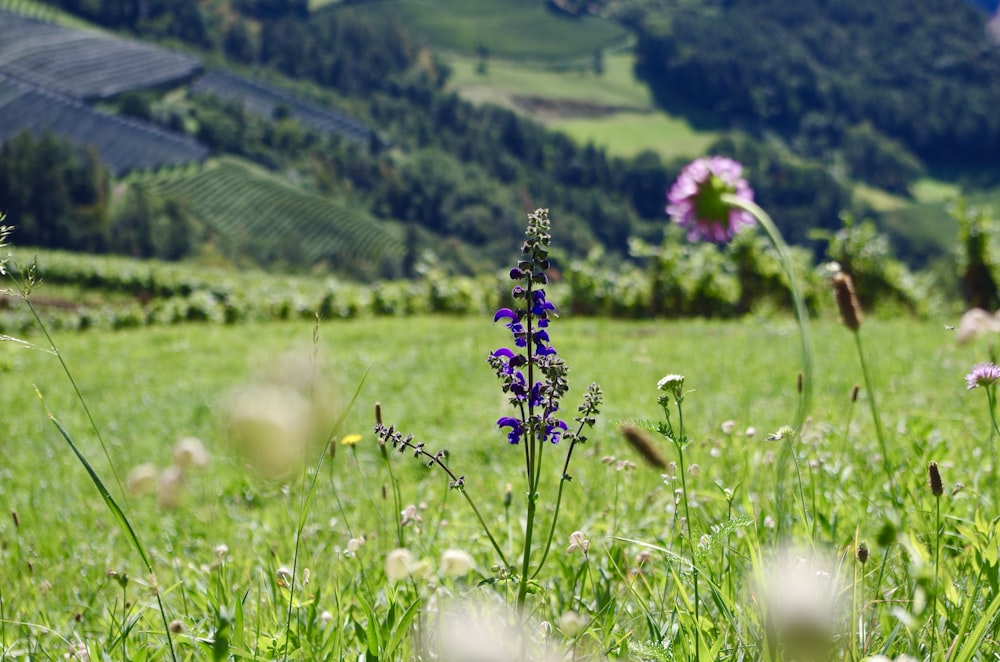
934	478
847	301
641	442
862	553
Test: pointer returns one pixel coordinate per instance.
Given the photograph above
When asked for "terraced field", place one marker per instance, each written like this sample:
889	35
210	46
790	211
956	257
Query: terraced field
245	203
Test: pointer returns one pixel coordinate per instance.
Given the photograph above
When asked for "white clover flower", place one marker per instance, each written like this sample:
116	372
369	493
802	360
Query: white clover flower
221	551
354	544
190	452
141	479
170	488
572	623
728	427
399	564
456	563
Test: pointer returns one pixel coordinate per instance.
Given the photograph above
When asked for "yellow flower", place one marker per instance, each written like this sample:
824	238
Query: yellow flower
351	439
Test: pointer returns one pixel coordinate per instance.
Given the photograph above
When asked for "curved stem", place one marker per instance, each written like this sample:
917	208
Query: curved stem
801	312
876	419
991	398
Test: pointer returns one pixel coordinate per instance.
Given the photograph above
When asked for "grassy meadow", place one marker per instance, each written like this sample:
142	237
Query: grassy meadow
224	556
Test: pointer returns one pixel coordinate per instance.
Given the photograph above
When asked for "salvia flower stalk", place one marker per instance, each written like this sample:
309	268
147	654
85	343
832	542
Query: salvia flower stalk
534	378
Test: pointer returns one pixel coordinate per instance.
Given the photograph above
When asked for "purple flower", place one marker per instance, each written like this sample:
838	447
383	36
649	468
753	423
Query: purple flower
982	374
696	202
514	436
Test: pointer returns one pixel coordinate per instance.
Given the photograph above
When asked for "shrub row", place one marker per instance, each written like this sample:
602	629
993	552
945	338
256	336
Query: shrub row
677	280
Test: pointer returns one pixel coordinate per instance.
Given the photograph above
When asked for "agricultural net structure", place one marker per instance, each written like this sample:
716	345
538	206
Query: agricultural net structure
263	99
85	64
123	144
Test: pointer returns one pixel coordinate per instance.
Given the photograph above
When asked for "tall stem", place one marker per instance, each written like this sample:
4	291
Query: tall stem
801	312
876	419
680	441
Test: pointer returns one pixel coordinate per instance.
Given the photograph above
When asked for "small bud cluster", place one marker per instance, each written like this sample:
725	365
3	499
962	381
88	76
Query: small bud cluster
389	436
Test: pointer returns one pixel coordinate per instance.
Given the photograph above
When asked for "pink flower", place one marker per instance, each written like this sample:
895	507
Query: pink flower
696	202
982	374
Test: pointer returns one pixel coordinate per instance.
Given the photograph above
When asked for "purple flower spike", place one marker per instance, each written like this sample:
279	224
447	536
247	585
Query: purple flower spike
696	202
982	374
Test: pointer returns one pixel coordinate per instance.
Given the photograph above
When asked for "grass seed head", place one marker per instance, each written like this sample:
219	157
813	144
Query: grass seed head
847	300
934	479
641	442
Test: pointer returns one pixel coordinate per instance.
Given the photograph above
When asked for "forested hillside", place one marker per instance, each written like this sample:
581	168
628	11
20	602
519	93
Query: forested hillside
346	102
923	74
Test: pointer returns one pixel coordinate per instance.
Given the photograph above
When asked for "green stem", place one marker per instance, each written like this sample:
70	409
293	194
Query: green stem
937	561
555	515
801	312
876	419
991	398
680	441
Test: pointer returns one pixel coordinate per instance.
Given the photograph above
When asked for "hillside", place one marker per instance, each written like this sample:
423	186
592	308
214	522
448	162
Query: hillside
431	125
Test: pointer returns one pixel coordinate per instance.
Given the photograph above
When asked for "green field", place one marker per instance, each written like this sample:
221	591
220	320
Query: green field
518	29
628	134
146	389
502	79
612	110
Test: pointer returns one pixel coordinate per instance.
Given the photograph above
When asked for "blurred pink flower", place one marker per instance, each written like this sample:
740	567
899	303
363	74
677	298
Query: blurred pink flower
696	202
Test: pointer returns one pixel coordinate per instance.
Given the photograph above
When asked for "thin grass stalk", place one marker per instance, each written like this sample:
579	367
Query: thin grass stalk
304	509
876	419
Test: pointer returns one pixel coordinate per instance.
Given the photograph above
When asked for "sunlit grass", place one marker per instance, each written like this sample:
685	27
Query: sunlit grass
627	134
150	387
502	79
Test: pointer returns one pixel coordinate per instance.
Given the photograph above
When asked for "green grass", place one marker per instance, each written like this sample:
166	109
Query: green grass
148	388
518	29
612	110
615	87
627	134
